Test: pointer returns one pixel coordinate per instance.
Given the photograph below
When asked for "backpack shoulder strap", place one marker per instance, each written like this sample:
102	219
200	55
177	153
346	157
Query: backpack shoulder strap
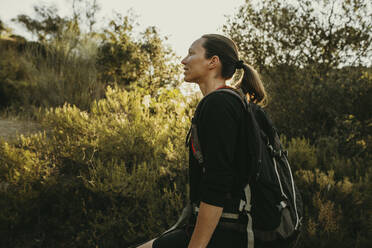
254	126
268	128
192	135
237	93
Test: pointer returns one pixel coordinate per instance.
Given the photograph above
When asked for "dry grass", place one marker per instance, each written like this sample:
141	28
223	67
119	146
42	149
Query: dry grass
10	128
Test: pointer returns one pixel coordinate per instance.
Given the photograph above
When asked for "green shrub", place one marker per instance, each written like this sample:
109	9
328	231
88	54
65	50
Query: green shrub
302	155
335	192
116	175
110	177
336	212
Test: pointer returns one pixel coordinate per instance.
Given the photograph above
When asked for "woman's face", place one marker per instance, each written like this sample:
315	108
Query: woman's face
195	63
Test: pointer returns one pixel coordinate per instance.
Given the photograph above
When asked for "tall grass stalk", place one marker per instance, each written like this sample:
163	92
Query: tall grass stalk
63	70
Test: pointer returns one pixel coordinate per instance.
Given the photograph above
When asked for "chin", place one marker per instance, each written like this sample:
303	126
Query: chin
188	80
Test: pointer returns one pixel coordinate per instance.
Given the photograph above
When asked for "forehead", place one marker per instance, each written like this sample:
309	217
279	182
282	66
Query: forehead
197	45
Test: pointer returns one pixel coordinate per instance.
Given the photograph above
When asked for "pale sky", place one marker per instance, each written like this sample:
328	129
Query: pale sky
182	21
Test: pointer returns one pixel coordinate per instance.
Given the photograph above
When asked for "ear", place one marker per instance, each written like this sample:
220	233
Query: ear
214	62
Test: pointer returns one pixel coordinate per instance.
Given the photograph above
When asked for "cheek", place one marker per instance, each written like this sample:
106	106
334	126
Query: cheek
195	62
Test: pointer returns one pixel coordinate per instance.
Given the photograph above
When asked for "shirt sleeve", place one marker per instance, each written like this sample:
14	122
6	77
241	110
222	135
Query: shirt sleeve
219	125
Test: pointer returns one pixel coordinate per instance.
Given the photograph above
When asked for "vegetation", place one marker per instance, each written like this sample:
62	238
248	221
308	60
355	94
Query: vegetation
110	169
70	65
314	57
108	177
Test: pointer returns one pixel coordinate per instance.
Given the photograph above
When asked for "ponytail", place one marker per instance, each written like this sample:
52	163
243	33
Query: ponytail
227	51
251	84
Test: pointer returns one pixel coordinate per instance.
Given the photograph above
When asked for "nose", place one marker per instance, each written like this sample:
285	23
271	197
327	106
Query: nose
183	61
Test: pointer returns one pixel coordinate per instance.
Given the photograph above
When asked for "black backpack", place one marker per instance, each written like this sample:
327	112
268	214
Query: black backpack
271	202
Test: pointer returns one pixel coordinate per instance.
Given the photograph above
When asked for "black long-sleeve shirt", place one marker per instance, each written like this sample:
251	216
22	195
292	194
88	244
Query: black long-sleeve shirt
223	142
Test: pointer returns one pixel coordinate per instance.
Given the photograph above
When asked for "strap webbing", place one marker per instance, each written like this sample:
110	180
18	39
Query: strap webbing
247	191
238	93
224	215
247	208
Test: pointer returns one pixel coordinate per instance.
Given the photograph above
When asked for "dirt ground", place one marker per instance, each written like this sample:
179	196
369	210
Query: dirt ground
9	129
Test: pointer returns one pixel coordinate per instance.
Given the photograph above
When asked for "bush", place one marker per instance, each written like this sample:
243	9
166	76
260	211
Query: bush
335	192
108	178
116	175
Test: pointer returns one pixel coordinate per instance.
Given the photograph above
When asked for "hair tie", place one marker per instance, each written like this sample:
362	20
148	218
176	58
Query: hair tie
239	64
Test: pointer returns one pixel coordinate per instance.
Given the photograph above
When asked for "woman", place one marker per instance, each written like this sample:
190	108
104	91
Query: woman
216	186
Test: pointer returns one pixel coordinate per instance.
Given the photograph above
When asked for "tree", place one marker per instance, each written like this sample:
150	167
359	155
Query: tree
311	54
4	30
85	11
277	32
47	25
71	64
144	62
2	27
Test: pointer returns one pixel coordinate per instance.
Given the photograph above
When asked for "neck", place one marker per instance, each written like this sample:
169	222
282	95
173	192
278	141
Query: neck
210	84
